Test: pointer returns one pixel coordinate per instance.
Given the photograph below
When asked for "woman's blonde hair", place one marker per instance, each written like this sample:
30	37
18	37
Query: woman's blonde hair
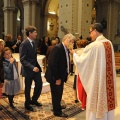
2	41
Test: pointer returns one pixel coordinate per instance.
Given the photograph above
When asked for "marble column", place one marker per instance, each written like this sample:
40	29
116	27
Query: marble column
9	8
26	5
29	12
38	21
33	12
15	23
109	11
8	20
113	14
1	26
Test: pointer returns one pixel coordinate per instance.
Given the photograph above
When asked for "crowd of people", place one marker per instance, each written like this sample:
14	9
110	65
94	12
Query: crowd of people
95	75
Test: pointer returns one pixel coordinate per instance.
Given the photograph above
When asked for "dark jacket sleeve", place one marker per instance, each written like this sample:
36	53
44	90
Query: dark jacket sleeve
54	62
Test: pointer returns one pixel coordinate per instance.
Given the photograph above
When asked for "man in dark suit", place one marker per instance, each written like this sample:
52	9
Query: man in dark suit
30	68
57	72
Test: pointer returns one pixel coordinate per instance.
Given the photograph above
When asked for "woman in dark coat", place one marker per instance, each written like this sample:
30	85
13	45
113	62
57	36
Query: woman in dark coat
1	62
1	66
9	42
44	45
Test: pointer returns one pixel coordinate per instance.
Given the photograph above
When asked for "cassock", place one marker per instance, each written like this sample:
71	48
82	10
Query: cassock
96	66
81	94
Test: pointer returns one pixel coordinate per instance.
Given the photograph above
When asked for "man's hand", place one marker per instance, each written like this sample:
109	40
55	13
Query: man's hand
14	46
58	82
36	69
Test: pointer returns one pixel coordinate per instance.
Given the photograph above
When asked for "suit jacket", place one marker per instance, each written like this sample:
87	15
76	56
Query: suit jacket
57	65
28	58
48	51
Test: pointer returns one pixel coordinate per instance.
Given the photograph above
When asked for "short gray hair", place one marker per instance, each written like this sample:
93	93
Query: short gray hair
70	36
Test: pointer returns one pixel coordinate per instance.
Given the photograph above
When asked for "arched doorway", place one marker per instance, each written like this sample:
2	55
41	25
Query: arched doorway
52	18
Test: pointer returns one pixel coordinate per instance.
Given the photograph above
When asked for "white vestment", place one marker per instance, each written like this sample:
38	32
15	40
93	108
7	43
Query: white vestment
92	69
79	52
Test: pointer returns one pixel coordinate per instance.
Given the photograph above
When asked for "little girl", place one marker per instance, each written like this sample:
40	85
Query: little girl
11	81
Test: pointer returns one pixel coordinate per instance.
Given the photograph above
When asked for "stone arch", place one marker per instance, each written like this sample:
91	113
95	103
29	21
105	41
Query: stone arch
51	20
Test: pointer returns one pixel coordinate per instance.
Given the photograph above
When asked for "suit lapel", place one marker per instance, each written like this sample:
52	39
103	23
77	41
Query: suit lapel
63	52
33	49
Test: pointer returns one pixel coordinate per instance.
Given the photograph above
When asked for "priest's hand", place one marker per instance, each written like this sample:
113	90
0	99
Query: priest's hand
72	51
58	82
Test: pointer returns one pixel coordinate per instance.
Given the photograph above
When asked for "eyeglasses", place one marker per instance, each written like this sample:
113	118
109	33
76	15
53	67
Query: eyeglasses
91	31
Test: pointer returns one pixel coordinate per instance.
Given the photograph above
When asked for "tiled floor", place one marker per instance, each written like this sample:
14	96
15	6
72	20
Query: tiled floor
68	97
81	116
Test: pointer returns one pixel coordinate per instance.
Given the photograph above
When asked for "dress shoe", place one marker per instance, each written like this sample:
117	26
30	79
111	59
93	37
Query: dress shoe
61	115
62	107
36	103
29	108
76	101
12	106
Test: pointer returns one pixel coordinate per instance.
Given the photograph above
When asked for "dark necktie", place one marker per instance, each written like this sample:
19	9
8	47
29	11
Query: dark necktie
67	57
33	44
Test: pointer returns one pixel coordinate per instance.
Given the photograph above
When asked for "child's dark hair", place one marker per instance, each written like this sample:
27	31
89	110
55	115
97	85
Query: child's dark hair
98	27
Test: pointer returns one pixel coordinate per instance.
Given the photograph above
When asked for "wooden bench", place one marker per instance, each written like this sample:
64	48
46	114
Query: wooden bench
117	61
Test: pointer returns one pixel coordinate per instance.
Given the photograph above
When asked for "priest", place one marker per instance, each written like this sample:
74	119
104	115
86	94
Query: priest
96	67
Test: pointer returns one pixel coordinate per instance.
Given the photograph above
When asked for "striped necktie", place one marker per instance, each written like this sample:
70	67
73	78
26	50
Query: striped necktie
67	57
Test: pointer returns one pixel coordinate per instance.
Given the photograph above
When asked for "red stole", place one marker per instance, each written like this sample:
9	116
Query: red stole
109	77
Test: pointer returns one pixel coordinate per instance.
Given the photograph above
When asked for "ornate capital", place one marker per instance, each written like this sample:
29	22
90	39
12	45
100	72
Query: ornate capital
29	1
25	2
9	9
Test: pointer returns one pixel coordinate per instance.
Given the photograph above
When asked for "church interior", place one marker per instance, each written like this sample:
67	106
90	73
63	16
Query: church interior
53	19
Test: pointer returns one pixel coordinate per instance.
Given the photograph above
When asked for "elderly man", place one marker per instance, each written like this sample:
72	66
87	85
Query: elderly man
57	72
96	67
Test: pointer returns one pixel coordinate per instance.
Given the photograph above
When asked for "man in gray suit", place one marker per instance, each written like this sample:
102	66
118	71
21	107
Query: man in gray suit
30	68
